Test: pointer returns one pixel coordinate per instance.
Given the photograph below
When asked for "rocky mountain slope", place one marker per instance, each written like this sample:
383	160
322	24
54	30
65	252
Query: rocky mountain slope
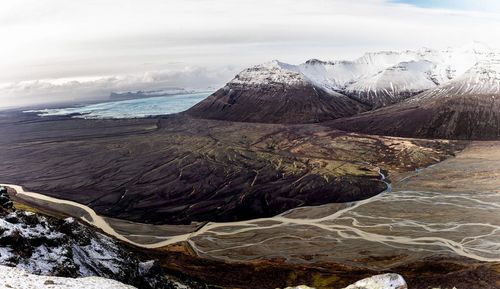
316	90
467	107
52	247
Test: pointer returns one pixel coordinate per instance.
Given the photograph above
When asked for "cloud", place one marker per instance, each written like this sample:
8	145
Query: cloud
98	38
471	5
99	88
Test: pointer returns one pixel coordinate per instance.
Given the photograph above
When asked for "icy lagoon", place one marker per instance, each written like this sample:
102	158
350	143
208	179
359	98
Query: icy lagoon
134	108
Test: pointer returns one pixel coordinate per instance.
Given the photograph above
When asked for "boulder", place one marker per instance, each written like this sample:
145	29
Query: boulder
385	281
5	201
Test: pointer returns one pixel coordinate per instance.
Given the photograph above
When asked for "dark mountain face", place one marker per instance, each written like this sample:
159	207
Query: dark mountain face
275	103
457	117
467	108
376	100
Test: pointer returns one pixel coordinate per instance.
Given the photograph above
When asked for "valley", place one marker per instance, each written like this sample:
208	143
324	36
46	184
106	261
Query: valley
440	215
177	169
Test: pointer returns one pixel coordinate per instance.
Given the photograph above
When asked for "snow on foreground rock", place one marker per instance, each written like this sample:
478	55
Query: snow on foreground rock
20	279
49	246
385	281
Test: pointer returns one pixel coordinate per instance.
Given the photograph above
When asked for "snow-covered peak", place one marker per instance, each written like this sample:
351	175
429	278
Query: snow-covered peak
270	73
417	75
339	75
390	75
484	70
481	79
276	64
396	82
386	58
459	60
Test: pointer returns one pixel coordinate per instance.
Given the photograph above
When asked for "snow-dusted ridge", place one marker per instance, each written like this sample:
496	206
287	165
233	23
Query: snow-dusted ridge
378	78
481	79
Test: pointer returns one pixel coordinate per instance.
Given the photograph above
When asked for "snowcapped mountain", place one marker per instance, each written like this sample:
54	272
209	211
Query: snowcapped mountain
323	90
466	107
338	75
271	73
383	78
481	79
275	92
396	82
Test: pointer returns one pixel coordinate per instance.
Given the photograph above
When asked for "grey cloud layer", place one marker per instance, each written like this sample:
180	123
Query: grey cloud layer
59	91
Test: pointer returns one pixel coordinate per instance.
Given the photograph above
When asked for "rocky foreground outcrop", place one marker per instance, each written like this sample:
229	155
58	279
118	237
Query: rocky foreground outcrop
52	247
20	279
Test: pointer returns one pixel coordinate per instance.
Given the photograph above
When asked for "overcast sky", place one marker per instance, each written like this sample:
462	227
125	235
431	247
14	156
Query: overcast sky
53	50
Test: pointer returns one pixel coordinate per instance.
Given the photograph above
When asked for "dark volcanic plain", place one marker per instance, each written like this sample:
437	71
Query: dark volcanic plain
178	169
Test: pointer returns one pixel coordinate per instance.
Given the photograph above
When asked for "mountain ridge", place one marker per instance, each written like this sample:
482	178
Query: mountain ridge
467	107
372	81
387	86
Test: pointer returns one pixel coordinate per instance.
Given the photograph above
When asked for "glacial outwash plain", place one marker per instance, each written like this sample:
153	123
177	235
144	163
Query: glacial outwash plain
290	174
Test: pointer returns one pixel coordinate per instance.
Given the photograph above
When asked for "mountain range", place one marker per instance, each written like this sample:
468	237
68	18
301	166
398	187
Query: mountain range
451	93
